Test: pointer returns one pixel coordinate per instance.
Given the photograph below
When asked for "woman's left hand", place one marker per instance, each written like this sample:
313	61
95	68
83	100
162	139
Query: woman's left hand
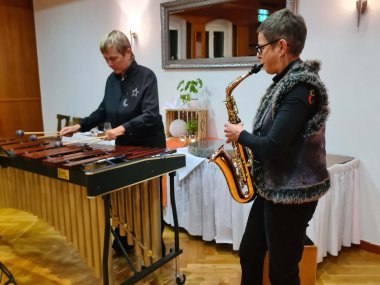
112	134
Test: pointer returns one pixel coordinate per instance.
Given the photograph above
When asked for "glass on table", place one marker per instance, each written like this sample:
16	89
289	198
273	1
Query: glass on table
107	126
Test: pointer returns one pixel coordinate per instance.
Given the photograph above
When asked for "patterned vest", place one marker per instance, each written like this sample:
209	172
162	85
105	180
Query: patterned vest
299	175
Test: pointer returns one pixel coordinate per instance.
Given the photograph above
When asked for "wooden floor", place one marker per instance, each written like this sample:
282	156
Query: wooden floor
36	254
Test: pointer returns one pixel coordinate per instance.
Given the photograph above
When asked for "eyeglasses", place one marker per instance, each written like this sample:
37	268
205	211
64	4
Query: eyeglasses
259	49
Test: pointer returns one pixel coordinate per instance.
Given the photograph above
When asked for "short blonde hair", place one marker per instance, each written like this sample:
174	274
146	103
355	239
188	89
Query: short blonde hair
116	39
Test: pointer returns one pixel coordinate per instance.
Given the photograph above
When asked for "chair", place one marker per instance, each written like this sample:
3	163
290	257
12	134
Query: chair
76	120
61	118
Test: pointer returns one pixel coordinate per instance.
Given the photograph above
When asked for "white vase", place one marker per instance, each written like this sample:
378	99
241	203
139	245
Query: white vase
193	104
177	128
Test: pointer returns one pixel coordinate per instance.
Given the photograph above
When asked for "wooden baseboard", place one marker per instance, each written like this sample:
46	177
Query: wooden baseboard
364	245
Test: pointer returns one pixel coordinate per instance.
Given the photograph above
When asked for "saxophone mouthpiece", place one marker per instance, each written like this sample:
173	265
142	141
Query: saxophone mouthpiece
256	68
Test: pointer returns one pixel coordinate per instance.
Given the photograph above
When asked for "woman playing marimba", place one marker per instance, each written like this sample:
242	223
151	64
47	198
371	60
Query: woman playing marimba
130	101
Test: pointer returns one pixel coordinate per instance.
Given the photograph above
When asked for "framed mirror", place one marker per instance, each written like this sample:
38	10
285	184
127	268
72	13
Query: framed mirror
213	33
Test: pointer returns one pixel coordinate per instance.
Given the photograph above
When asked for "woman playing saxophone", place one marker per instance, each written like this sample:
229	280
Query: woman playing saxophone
288	144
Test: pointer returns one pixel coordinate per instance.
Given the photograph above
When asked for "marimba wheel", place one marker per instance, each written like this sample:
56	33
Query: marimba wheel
180	278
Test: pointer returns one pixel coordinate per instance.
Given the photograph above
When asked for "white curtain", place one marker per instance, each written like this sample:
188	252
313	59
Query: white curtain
205	207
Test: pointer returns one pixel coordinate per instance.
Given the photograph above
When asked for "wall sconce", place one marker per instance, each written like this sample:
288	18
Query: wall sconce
361	6
132	36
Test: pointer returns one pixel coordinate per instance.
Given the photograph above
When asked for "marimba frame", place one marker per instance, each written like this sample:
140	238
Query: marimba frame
71	214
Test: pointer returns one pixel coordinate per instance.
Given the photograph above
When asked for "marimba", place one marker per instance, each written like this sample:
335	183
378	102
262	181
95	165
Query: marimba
79	188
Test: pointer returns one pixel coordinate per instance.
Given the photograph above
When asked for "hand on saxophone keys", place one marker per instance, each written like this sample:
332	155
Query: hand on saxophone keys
232	131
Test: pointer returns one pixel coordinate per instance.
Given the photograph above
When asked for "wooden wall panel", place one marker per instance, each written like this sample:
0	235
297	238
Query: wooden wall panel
20	100
20	114
242	41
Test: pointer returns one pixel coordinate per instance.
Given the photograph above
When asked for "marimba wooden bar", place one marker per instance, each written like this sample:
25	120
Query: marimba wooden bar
81	190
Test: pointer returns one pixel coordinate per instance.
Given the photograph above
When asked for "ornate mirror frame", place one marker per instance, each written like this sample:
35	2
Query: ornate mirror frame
180	5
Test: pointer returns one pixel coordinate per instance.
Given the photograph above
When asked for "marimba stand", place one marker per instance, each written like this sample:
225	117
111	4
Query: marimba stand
81	172
138	275
4	270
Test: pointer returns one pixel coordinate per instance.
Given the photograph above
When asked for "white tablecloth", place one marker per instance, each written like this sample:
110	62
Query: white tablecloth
336	220
205	207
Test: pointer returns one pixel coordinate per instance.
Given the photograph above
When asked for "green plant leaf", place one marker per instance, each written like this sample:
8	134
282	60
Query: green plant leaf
180	84
191	126
193	89
188	84
187	88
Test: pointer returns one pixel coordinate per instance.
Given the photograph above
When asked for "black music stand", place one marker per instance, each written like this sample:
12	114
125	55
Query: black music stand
4	270
138	275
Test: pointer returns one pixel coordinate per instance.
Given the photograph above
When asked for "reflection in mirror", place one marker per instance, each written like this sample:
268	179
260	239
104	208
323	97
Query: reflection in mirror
213	33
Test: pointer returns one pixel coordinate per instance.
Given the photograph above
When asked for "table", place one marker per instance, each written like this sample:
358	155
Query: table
205	207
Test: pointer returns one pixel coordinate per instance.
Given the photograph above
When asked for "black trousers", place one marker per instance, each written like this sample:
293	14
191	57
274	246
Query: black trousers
280	229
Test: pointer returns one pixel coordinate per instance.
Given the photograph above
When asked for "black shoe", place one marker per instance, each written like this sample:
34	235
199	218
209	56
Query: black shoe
163	247
123	239
117	250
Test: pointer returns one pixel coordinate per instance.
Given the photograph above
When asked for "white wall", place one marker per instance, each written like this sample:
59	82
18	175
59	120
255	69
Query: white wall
350	58
73	73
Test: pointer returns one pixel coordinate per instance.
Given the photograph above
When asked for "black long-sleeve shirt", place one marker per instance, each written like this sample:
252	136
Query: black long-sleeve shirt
131	100
295	109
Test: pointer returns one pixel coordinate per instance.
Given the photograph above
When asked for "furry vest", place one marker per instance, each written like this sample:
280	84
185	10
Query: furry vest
299	174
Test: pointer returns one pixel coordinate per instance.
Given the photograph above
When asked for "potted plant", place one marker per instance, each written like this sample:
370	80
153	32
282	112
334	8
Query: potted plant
191	128
187	89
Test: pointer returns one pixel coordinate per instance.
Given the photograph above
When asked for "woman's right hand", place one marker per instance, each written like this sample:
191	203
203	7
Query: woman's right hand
232	131
69	130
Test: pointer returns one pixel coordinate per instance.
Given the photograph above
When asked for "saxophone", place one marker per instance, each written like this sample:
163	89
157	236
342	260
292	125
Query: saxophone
236	170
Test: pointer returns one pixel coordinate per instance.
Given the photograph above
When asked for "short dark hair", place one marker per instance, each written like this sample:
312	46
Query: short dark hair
284	24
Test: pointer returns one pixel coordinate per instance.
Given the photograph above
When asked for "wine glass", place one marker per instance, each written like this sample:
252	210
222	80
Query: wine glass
107	126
